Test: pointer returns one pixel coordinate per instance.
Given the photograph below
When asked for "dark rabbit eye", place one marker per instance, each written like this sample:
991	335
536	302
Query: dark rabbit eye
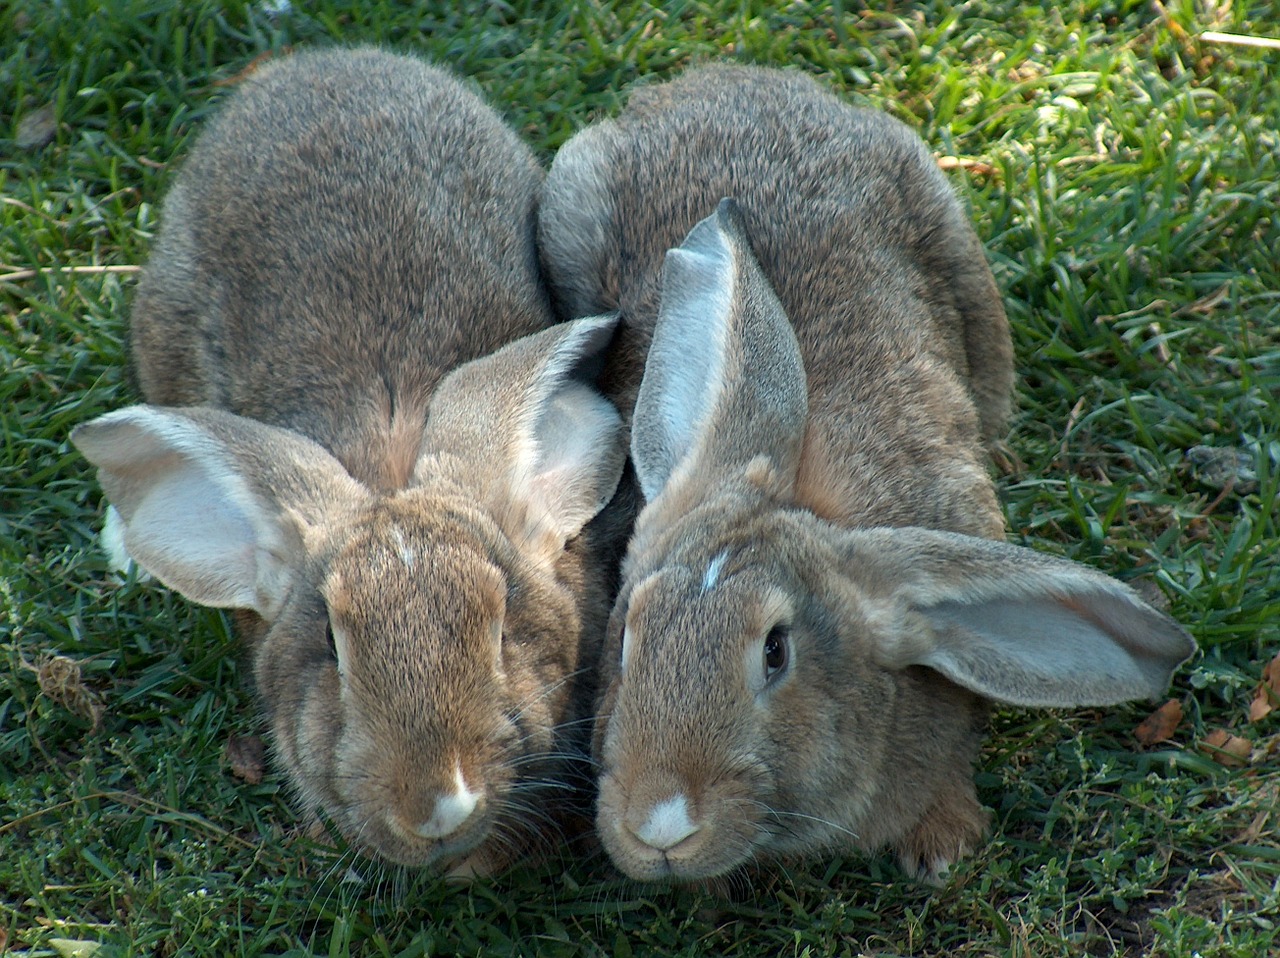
330	641
776	651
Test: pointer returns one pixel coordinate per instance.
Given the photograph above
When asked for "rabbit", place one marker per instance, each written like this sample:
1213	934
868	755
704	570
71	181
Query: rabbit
816	604
365	431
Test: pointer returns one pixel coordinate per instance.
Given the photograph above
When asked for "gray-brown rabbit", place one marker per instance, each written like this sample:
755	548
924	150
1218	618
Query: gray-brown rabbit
815	605
366	432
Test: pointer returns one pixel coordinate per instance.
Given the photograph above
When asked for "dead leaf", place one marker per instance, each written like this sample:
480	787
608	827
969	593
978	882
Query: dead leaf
1267	696
250	68
1226	749
1160	725
75	947
246	754
1261	824
37	128
60	679
980	167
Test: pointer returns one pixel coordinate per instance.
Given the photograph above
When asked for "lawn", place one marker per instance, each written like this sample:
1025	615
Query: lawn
1124	173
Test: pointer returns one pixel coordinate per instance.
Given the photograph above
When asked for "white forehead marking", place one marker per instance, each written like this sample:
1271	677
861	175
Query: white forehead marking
668	823
340	649
406	554
713	571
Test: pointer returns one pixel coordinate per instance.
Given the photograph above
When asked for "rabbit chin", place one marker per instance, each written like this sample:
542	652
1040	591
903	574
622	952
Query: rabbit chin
380	836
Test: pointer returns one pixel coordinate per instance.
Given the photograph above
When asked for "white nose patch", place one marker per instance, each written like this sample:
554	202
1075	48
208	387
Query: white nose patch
451	811
668	824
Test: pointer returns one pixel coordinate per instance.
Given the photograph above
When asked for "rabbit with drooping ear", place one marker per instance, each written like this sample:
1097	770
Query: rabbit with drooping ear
366	434
815	605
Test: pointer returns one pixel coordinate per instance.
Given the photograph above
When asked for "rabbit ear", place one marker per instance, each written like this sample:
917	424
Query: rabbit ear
1008	623
724	381
202	497
525	431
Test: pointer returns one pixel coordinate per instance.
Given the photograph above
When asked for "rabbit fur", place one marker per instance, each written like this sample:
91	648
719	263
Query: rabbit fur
364	431
816	605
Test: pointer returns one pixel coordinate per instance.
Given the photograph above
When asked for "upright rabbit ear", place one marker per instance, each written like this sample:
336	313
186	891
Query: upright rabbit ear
724	381
1009	623
205	499
525	431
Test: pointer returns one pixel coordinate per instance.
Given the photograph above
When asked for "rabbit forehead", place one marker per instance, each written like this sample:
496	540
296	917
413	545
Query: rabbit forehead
691	648
740	530
405	574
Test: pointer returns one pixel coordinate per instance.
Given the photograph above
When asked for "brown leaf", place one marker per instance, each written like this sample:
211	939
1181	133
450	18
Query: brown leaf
980	167
1262	704
1267	696
61	680
37	128
250	68
1226	749
1160	725
246	754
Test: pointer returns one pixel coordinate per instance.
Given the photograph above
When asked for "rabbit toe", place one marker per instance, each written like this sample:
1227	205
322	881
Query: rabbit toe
946	833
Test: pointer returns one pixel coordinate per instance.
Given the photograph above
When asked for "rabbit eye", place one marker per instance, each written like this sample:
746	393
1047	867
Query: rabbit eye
331	642
776	651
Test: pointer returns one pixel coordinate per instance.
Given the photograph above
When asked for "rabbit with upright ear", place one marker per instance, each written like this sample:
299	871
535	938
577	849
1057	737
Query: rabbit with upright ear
816	605
367	435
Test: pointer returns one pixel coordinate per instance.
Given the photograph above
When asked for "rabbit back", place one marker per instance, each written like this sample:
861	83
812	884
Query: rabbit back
351	226
847	211
904	339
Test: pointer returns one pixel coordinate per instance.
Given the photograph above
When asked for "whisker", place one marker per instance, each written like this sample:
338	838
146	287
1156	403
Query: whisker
814	818
548	690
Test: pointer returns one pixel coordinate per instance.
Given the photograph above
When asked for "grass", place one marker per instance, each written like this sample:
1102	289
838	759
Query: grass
1125	177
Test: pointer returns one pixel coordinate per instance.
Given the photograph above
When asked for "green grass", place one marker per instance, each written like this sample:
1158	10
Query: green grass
1126	179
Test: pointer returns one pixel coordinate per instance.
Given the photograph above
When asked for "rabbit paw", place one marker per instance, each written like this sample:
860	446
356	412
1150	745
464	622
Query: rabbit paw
947	832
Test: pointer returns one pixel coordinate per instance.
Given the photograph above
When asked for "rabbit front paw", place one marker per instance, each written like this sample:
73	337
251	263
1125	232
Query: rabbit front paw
946	833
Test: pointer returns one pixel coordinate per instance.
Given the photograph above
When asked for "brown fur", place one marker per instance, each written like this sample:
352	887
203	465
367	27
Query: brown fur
352	228
862	396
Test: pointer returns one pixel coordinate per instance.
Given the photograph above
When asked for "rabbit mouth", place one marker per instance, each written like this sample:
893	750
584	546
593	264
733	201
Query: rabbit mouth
406	844
708	853
675	838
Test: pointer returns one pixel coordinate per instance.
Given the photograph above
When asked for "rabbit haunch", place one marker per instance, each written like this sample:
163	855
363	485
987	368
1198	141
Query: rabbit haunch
366	435
815	606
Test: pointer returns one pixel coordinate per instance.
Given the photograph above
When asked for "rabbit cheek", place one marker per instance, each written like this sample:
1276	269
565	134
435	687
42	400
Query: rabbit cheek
308	737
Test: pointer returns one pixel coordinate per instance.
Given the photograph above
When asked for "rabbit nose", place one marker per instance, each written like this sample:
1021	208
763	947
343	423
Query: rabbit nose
450	812
667	825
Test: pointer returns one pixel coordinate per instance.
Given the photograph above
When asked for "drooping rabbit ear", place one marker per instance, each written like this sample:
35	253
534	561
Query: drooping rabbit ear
204	499
526	432
724	380
1009	623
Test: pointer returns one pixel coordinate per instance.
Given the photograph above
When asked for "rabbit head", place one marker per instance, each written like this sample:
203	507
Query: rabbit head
777	684
419	653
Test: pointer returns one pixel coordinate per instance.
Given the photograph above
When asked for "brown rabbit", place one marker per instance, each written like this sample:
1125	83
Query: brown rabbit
338	449
815	604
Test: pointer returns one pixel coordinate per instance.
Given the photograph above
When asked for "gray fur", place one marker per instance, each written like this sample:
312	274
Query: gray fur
833	504
346	279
